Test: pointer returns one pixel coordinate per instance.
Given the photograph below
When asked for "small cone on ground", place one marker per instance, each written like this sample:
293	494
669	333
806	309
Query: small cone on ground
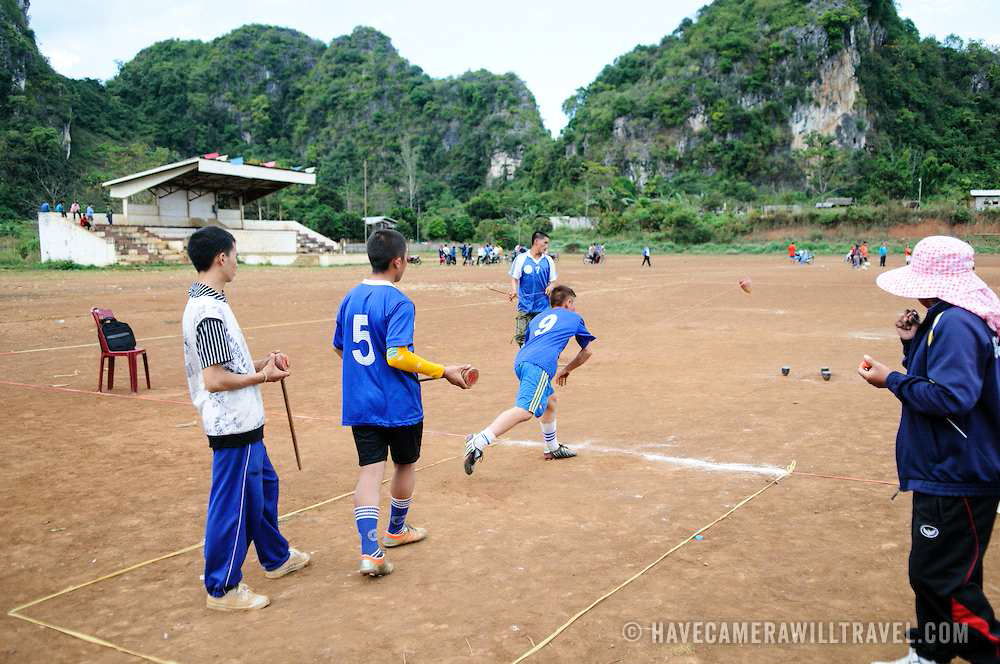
746	285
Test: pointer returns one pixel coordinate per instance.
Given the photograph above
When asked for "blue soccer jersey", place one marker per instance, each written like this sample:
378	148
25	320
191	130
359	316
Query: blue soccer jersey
548	335
533	277
374	317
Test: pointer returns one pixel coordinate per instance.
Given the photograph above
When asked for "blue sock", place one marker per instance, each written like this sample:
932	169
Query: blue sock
366	518
397	514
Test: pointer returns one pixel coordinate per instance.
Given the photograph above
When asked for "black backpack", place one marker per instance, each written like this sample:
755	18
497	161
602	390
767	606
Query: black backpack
118	334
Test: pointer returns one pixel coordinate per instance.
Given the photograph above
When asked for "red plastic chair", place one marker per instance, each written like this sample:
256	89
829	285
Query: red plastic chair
110	355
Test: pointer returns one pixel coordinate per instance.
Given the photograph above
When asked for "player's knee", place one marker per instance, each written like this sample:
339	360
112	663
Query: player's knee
522	414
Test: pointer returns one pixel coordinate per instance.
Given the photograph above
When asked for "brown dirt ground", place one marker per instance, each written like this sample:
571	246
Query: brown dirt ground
686	366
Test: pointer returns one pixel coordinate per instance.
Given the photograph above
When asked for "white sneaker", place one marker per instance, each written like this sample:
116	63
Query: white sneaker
240	598
911	658
296	560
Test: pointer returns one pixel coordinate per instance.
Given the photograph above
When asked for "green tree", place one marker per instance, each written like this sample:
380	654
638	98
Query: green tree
823	163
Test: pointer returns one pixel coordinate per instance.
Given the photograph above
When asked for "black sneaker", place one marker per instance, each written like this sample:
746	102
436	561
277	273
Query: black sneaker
561	452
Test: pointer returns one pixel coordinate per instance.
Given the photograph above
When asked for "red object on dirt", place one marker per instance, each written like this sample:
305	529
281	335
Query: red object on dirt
110	355
746	285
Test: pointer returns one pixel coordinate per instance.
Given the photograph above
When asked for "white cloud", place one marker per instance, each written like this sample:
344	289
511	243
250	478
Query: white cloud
62	60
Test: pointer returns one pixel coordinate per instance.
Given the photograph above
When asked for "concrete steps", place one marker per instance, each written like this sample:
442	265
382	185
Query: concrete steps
136	245
307	244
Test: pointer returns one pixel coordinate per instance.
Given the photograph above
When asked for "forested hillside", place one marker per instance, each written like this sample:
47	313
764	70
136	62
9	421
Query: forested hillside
750	102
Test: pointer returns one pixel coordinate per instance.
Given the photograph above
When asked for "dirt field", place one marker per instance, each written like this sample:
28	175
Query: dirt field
685	377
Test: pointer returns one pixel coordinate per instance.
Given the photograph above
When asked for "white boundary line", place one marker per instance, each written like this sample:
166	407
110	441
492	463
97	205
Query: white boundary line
684	462
265	326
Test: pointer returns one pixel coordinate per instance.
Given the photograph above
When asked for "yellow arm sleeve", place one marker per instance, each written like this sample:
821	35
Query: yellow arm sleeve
401	358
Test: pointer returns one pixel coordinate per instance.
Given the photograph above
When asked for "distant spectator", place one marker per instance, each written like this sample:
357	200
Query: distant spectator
791	250
864	254
110	214
60	208
883	251
451	255
645	257
907	252
481	255
75	210
44	207
90	215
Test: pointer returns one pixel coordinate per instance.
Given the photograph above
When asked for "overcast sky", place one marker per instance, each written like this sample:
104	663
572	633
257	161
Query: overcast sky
555	46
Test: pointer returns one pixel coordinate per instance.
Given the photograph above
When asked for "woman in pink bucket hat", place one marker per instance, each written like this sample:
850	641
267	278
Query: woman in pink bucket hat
947	446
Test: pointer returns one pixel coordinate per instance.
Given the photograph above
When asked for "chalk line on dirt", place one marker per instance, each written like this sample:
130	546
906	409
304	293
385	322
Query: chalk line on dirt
16	612
544	642
265	326
684	462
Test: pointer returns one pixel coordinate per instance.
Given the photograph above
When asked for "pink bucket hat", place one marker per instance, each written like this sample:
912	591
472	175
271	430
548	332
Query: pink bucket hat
942	268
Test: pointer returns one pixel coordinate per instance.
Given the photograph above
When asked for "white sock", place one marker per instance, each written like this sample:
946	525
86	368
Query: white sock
549	434
482	439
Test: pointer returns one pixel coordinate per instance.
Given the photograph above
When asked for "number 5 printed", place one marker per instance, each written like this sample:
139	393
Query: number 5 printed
362	335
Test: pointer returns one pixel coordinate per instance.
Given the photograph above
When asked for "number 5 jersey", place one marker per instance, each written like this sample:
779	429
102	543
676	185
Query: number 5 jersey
374	317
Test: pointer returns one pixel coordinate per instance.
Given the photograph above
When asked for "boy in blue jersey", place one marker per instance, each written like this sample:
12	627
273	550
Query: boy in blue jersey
381	395
531	274
535	367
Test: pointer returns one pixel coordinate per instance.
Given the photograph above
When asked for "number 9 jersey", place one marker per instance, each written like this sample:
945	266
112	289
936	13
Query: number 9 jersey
374	317
548	334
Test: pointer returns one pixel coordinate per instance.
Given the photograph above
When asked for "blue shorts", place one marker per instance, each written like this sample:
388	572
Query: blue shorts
535	389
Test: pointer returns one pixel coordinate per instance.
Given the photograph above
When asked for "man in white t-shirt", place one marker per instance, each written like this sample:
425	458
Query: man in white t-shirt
224	382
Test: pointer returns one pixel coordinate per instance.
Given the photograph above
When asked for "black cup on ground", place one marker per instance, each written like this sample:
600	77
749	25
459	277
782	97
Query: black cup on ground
785	370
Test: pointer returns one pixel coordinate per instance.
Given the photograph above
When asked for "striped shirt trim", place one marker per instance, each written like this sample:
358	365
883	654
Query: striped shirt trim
201	290
212	343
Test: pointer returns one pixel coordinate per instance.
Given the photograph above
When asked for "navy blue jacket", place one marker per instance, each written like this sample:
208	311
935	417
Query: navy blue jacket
948	442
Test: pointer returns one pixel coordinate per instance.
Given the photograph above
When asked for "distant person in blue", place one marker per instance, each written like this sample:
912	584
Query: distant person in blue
60	208
44	207
645	257
536	367
947	445
883	251
531	275
381	396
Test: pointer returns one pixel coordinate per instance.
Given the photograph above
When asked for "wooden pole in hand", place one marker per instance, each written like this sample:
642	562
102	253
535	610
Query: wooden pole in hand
291	424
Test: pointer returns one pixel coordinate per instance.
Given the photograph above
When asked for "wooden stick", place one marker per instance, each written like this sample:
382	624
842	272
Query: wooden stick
291	424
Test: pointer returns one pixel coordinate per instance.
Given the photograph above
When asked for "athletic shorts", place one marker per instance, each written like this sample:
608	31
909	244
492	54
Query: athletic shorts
374	443
535	390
